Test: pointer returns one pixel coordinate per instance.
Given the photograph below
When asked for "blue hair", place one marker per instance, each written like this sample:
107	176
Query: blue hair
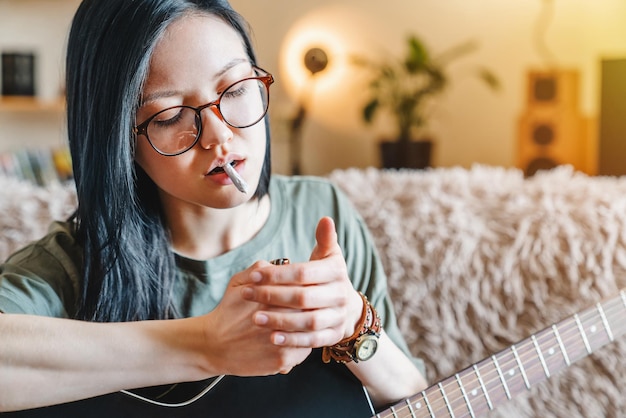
129	269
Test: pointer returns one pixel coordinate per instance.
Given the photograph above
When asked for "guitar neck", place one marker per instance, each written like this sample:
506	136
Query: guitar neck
489	383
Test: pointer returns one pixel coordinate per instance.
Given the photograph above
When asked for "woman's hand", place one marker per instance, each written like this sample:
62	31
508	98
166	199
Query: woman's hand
314	304
308	305
239	346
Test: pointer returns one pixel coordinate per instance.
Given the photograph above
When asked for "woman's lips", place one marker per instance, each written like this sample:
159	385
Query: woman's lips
220	169
227	175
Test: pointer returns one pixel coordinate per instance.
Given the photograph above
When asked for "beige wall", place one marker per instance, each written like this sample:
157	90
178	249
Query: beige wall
471	124
40	26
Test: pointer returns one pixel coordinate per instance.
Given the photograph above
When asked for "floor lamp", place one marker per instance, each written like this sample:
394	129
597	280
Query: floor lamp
315	61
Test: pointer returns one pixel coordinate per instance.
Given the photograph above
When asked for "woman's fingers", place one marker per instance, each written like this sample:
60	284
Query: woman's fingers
296	297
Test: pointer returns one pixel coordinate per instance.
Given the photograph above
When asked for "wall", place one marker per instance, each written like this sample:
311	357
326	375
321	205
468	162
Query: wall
471	124
40	26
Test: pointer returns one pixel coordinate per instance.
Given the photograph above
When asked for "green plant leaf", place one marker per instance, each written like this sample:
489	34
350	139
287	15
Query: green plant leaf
404	86
489	78
417	55
456	52
369	110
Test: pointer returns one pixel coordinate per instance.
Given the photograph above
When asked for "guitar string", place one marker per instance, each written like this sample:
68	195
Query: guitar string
567	338
175	405
568	333
590	312
524	347
565	331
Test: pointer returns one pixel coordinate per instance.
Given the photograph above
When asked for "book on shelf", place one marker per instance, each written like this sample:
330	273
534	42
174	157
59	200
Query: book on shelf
41	166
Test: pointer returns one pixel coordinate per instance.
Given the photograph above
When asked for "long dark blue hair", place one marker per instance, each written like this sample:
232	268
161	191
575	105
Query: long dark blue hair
129	270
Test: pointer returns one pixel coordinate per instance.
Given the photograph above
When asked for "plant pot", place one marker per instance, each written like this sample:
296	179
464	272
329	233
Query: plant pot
406	154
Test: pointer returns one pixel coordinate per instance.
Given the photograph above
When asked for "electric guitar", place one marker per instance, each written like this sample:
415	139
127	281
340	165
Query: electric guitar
314	390
489	383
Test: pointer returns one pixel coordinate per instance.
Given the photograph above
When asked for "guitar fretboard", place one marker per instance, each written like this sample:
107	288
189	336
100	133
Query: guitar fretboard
481	387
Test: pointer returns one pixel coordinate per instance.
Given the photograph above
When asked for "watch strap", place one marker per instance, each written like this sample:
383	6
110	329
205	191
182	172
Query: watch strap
344	351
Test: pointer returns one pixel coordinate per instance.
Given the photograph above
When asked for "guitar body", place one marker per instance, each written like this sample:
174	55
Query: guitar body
312	389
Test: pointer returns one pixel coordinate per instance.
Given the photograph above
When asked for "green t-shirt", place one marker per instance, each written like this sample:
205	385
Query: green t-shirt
44	278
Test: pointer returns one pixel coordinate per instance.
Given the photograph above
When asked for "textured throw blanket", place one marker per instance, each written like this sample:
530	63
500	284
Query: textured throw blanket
477	259
26	211
480	259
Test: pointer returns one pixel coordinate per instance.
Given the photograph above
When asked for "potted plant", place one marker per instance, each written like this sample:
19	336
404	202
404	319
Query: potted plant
404	88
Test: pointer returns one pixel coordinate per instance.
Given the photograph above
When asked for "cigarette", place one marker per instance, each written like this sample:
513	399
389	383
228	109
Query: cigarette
239	183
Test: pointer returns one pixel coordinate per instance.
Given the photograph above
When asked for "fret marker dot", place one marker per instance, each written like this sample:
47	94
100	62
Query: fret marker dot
511	372
418	405
551	351
593	329
474	392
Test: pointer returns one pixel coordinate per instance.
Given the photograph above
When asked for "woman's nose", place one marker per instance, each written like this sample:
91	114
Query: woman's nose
215	131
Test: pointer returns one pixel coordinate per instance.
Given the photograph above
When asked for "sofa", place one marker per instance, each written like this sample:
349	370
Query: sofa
478	259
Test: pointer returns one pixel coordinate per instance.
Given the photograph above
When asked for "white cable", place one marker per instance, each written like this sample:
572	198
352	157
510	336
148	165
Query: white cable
175	405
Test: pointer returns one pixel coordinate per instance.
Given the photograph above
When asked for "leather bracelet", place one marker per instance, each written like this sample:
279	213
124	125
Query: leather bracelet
368	328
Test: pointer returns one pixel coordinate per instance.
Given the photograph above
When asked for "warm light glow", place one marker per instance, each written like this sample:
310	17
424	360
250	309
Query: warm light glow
331	94
297	77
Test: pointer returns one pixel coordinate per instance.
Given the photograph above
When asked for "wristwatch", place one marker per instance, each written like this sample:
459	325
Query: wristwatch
361	345
365	347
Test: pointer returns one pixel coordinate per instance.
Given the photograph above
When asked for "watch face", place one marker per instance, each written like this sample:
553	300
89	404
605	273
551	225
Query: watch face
366	347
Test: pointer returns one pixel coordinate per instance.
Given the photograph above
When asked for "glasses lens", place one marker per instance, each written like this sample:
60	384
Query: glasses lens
244	103
173	130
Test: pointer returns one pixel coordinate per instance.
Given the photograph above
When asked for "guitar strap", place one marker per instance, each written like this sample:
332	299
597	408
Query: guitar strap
312	389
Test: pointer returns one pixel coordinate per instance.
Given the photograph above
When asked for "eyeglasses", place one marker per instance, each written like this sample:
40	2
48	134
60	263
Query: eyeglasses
176	129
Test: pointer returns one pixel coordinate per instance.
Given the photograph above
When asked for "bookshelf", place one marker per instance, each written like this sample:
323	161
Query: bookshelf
33	132
41	165
30	104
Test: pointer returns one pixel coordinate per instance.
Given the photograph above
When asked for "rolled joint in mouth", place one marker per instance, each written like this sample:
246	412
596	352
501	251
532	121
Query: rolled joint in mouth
237	180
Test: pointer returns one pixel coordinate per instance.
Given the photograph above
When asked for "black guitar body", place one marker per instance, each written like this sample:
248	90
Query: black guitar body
312	389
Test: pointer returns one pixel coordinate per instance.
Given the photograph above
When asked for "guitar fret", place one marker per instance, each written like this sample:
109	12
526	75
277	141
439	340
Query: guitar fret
502	379
583	334
614	313
408	403
541	359
497	375
430	409
521	367
415	405
547	341
475	392
549	345
605	322
558	339
445	398
482	385
467	401
393	412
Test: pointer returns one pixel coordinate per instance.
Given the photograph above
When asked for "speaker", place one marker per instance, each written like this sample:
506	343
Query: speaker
612	129
551	131
553	88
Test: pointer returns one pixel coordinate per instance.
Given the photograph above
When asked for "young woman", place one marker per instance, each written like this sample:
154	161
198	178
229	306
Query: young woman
163	274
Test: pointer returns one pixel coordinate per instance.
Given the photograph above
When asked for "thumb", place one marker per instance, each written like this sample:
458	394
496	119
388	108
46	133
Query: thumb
326	239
